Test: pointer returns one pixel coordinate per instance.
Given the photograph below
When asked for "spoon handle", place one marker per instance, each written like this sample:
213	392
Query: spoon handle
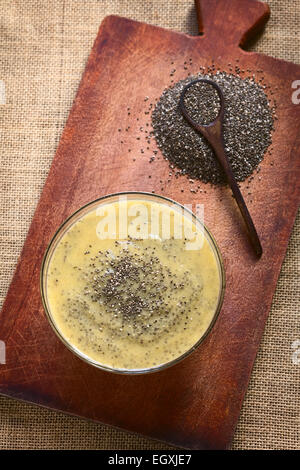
220	153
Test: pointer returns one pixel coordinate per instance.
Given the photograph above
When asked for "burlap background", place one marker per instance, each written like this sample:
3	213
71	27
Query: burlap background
43	48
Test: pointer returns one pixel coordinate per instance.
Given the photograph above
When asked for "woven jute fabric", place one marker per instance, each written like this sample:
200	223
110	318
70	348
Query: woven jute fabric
43	49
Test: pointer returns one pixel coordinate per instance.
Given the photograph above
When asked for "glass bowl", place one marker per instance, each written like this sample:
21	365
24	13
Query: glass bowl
75	217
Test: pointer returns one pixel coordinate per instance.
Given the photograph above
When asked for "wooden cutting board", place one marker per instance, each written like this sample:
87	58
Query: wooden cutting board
196	403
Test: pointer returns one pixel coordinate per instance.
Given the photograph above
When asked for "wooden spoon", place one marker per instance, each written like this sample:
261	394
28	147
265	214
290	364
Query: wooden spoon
213	132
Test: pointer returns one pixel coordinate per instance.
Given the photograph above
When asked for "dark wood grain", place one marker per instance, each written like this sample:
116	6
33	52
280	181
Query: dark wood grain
196	403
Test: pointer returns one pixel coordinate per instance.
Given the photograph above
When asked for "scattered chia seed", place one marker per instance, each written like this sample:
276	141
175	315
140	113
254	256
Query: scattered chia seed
248	125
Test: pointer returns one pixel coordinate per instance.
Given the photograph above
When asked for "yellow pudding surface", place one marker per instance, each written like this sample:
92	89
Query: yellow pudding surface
133	284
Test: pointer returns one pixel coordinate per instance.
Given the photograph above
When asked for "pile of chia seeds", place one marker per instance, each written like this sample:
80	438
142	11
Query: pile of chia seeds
248	126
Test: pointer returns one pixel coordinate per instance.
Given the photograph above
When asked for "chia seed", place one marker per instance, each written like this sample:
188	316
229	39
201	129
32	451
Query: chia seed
202	103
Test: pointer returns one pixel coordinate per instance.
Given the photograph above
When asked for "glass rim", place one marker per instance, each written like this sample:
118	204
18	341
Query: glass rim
43	277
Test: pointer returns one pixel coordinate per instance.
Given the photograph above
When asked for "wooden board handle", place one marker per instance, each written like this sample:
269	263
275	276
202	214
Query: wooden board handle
235	21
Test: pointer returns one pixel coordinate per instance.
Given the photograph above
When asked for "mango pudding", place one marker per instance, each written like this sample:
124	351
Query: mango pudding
132	283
